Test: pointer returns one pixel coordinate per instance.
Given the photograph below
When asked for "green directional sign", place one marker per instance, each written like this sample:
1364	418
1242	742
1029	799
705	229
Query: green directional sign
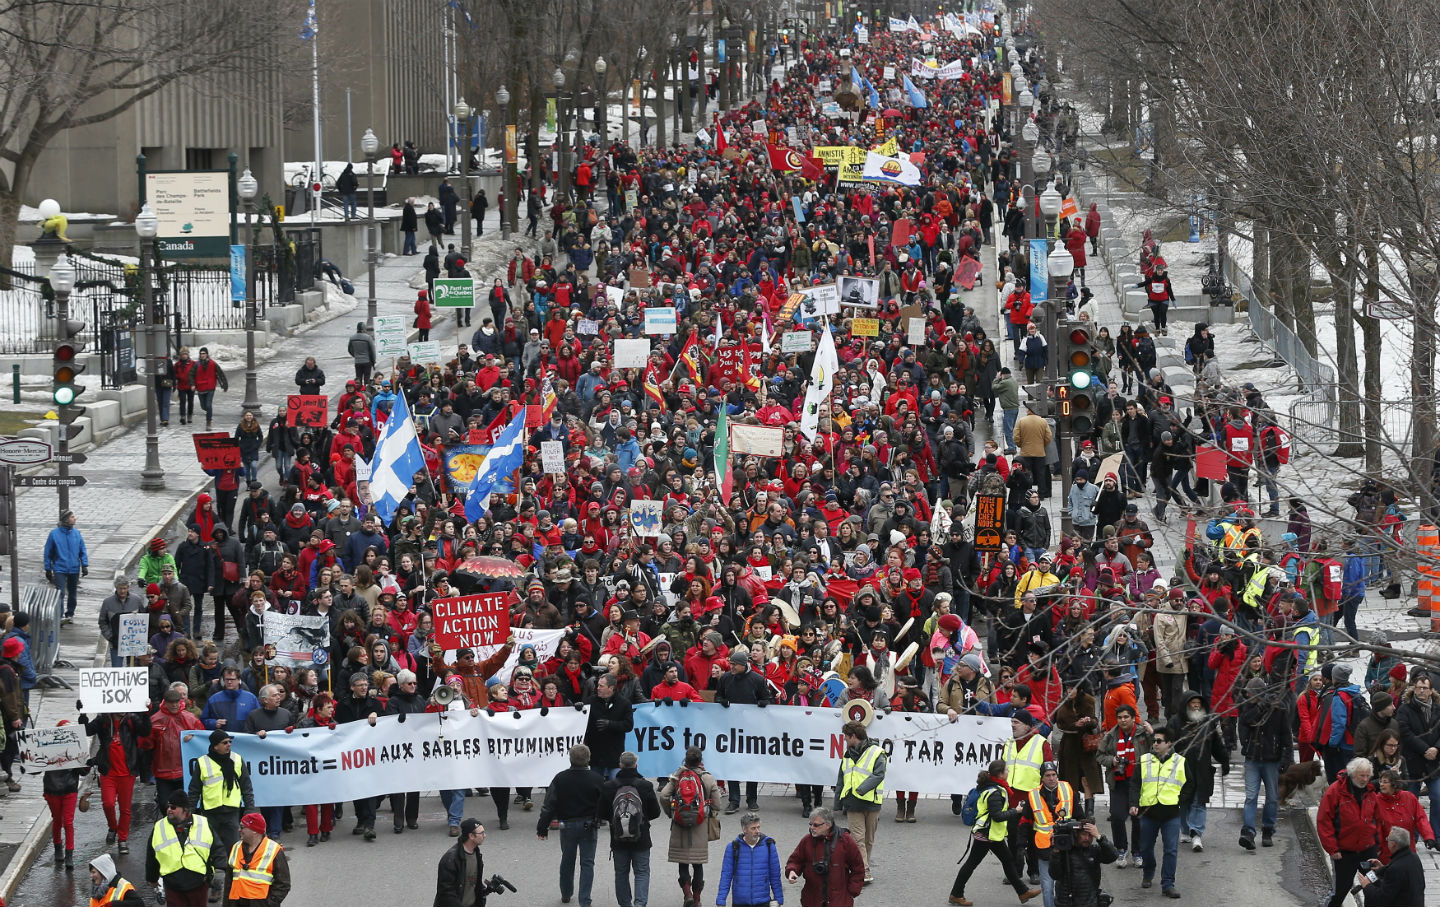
454	292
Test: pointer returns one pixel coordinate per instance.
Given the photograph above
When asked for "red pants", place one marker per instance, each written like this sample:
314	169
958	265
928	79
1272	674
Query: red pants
319	818
117	790
62	816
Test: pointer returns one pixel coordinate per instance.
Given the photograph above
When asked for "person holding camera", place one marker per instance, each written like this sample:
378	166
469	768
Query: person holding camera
1044	807
992	826
1401	884
1075	861
1158	789
1120	752
460	875
829	861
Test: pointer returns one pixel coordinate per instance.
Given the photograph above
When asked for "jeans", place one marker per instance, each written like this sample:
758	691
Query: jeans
1120	815
69	586
1007	423
274	819
409	247
1255	773
283	462
1169	832
351	204
1195	818
187	405
1047	884
752	792
115	660
207	403
1271	487
577	835
252	469
606	773
627	859
162	402
1349	607
454	801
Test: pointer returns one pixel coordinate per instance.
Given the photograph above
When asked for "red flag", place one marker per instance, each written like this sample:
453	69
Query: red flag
720	143
689	361
788	160
812	168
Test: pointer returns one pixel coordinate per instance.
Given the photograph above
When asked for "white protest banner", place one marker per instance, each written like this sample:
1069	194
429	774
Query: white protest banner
888	73
646	517
544	642
133	637
587	328
390	335
821	300
471	621
296	637
758	440
614	295
631	353
107	690
797	341
447	750
660	319
49	749
425	352
759	128
802	745
915	331
552	456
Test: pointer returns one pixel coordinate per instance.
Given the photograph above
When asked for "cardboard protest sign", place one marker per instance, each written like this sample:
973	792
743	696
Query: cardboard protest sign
307	410
108	690
216	450
50	749
133	637
552	456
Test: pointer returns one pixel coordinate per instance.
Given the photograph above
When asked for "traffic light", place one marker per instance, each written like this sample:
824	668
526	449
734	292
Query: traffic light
67	366
1078	378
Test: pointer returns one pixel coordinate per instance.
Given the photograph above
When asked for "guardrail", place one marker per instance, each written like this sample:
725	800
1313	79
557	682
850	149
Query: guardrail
45	605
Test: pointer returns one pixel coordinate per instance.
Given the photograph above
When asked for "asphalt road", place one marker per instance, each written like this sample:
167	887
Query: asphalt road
914	864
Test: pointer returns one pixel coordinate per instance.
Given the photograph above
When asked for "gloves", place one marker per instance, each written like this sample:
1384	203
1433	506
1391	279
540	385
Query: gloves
50	576
84	571
1432	844
602	724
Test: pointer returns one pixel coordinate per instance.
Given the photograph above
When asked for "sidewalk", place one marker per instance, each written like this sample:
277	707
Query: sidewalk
117	519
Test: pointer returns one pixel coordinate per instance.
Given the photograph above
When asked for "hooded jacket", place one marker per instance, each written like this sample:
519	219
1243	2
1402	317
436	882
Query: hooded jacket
1341	818
65	550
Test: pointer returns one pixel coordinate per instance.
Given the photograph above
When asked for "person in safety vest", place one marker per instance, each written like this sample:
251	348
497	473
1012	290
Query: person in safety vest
1024	753
257	874
1157	789
860	788
1053	801
992	825
220	789
107	887
179	854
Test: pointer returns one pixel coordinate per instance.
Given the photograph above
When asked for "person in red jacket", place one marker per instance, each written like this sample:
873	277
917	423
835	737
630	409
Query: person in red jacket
1345	834
672	687
1092	229
1393	805
706	660
206	376
1075	245
167	723
1239	451
1226	660
422	314
184	370
834	848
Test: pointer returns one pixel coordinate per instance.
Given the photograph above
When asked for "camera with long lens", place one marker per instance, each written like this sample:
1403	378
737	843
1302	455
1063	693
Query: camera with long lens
498	884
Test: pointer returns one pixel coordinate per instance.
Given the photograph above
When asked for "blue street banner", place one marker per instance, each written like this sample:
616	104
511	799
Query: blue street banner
1039	270
237	274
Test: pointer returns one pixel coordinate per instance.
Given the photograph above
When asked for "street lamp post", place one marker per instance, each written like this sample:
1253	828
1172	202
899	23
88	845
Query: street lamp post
602	102
1050	205
370	146
1060	264
507	170
562	180
147	226
462	115
248	187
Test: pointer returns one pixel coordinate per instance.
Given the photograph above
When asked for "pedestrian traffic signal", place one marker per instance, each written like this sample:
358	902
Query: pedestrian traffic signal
67	365
1078	380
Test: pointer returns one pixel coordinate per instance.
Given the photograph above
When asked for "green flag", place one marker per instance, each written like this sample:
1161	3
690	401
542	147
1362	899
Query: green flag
724	475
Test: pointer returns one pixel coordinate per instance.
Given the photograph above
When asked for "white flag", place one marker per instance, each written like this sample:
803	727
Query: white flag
822	383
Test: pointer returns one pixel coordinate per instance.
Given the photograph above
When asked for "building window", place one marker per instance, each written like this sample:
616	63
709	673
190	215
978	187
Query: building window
199	159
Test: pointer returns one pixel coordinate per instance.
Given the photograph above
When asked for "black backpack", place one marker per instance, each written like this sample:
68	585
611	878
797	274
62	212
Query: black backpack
627	816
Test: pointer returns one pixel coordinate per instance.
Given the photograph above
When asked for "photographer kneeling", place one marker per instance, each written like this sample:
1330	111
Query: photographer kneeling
1076	852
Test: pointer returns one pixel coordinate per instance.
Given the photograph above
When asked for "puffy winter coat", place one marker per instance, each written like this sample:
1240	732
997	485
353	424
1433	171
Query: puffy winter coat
1341	819
750	875
1402	808
1227	670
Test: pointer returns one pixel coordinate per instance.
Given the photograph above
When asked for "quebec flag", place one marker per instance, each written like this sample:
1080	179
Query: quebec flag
506	456
397	458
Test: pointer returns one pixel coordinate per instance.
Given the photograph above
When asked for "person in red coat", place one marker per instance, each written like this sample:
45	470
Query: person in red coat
1075	245
422	314
1345	834
1092	229
1393	805
207	375
1226	660
826	844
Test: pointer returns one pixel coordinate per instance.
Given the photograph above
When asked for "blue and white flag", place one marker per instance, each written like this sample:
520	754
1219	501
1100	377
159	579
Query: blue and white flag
917	97
397	458
311	27
506	456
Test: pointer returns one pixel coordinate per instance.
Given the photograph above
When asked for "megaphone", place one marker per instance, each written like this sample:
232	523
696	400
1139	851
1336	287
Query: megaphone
444	695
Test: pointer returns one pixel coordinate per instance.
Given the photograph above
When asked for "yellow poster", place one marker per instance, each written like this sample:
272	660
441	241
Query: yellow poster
865	327
852	165
891	148
1005	90
512	154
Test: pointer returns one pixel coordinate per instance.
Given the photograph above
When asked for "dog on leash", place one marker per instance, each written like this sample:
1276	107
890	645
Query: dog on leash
1298	777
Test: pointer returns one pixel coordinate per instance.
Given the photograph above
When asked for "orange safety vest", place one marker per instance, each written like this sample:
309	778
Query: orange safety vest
1044	819
252	881
115	895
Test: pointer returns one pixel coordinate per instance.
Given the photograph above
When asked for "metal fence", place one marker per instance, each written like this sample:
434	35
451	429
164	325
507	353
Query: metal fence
45	605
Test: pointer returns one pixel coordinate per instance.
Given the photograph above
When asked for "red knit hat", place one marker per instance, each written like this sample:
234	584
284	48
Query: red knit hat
1398	672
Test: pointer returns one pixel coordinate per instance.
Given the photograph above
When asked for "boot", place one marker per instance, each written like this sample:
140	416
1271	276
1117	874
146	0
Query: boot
689	895
910	811
699	887
69	861
59	855
899	810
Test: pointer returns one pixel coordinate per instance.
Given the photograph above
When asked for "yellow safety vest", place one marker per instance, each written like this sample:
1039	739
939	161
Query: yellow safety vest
856	773
1256	587
115	895
995	831
252	881
1044	821
173	856
1022	767
213	792
1309	658
1161	784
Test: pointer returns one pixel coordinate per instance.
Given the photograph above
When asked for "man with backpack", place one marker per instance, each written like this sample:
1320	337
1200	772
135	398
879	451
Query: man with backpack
750	868
628	802
1342	708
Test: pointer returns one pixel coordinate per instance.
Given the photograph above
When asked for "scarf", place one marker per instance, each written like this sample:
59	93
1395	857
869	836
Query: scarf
227	768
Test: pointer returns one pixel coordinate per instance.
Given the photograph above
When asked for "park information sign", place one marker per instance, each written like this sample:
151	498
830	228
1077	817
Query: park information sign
194	211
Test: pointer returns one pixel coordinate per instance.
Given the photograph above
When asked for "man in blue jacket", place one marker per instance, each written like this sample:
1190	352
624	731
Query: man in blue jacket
750	872
66	560
227	707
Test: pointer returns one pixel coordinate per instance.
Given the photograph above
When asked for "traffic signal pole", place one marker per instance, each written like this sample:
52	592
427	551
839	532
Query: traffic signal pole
65	413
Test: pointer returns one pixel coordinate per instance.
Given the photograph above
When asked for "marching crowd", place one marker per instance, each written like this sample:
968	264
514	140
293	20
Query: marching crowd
842	569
